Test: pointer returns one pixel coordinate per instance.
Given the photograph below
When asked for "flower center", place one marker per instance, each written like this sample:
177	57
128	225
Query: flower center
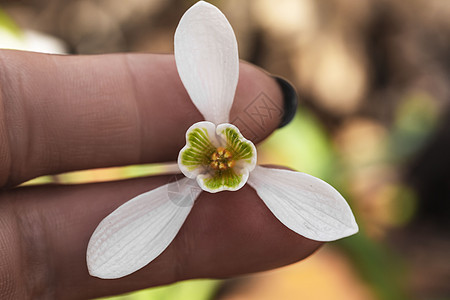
222	159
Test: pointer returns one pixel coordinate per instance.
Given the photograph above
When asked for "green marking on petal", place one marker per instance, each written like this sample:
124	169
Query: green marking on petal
239	148
227	179
200	149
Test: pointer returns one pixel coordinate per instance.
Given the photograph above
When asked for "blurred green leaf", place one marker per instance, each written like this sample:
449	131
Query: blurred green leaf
8	24
303	145
377	265
142	170
200	289
416	117
40	180
405	205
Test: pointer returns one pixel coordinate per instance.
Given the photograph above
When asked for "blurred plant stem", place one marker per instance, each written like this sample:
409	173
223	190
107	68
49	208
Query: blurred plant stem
381	269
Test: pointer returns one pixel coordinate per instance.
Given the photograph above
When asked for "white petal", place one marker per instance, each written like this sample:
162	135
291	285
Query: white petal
207	60
140	230
305	204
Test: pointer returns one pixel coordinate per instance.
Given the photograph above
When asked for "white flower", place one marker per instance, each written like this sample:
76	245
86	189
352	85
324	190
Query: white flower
218	157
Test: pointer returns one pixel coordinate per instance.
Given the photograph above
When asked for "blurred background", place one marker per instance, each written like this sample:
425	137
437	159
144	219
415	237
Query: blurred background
373	78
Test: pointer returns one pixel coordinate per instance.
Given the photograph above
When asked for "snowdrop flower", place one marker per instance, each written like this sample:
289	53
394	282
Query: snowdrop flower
216	157
220	158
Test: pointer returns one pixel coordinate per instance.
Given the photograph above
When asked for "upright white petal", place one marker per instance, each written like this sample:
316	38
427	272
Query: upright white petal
206	55
305	204
140	230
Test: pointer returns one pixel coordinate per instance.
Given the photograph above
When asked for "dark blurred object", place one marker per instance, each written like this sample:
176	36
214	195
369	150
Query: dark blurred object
429	176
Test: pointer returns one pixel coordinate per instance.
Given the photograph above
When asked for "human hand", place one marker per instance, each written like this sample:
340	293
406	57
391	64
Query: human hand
65	113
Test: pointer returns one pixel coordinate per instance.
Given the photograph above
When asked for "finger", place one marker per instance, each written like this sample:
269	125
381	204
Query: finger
64	113
226	234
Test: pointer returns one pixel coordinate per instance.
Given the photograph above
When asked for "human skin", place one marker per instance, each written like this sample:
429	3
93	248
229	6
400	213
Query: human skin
66	113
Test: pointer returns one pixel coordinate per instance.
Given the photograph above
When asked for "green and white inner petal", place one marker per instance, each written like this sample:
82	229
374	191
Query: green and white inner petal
220	158
201	142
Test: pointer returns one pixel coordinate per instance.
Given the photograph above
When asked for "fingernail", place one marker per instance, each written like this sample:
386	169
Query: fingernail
290	100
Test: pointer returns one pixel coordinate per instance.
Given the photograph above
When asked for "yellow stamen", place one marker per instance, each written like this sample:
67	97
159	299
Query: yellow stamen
215	156
231	163
221	151
222	159
227	154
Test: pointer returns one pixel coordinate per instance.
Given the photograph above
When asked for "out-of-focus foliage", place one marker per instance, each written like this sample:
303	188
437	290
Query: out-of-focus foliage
12	37
187	290
312	153
374	83
8	25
